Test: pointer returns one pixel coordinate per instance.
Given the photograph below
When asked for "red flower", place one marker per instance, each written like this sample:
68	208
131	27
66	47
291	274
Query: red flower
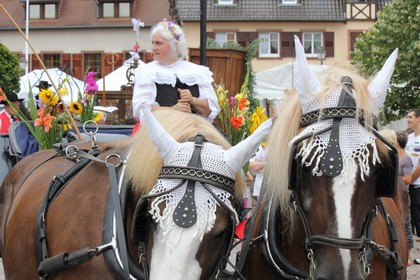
236	121
242	103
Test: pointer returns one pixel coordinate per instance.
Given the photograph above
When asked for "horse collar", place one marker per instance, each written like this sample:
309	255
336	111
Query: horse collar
185	214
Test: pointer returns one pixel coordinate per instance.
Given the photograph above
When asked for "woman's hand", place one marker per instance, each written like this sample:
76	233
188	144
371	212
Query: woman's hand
183	106
185	95
200	106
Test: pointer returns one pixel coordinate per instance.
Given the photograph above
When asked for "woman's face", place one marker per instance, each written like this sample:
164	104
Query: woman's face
162	51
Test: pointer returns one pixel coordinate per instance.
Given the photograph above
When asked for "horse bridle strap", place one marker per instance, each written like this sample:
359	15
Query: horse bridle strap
331	113
338	242
198	175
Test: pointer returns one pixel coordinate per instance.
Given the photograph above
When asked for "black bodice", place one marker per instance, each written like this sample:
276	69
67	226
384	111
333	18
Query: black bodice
167	95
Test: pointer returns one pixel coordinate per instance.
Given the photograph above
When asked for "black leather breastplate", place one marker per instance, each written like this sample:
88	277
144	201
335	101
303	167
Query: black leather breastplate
167	95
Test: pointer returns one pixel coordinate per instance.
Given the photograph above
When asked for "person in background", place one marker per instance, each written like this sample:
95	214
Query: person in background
413	150
170	80
8	115
405	166
256	168
404	170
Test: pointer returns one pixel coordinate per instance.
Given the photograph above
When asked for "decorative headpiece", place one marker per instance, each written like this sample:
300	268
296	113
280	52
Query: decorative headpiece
171	26
353	138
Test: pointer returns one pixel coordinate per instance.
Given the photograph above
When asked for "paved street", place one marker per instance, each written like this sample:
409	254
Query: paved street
413	270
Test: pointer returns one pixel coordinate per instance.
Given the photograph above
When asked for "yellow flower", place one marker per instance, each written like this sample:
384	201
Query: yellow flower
66	126
257	118
48	97
76	107
98	117
64	91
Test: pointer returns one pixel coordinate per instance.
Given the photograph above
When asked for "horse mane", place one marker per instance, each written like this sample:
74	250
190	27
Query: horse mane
286	126
144	161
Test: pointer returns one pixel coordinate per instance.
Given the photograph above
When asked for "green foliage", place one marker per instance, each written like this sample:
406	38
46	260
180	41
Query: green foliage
398	26
9	70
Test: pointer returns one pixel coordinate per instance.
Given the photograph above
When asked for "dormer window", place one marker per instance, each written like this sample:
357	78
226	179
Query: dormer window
109	9
225	2
42	9
289	2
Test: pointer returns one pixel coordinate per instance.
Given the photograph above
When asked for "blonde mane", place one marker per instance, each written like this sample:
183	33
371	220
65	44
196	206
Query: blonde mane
144	162
286	127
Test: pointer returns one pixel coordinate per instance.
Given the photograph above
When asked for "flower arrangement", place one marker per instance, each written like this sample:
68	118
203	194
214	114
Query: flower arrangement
83	107
237	119
49	119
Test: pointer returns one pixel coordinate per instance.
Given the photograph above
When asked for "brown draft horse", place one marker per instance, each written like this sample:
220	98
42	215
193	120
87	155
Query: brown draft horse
333	218
76	226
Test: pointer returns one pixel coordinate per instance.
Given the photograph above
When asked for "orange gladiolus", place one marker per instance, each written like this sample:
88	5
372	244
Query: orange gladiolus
48	119
242	103
236	121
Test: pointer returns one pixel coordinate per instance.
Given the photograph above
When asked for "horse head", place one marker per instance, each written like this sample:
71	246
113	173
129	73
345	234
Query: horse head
339	166
191	217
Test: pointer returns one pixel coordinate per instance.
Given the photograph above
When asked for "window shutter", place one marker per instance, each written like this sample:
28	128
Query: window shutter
66	63
211	35
252	36
353	37
78	66
329	43
242	38
287	44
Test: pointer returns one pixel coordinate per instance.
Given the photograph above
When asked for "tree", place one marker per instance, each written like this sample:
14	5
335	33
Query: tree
398	26
9	70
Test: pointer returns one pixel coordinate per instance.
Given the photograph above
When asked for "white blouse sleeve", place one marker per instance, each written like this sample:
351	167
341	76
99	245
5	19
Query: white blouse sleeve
144	89
207	92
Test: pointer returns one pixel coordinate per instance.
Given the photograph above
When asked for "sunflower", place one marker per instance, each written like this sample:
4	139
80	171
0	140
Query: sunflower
76	107
48	97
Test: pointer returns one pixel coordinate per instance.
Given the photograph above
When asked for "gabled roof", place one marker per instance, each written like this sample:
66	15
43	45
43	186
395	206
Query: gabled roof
82	14
265	10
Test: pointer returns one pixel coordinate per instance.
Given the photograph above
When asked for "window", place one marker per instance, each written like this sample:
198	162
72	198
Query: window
312	42
52	60
115	9
225	38
92	62
43	11
289	2
225	2
269	44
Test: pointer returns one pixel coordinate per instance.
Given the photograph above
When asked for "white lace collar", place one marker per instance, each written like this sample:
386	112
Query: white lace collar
187	72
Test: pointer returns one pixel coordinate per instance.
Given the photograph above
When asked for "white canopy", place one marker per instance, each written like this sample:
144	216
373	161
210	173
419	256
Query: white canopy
117	78
31	80
271	83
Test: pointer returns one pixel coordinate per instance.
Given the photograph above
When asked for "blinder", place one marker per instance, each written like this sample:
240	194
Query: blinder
386	184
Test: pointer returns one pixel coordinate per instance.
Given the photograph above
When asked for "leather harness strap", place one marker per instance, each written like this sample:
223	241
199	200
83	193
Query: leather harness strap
185	213
51	265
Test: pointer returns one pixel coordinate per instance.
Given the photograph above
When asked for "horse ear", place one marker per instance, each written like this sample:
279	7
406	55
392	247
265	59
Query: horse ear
306	83
379	86
238	155
164	142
